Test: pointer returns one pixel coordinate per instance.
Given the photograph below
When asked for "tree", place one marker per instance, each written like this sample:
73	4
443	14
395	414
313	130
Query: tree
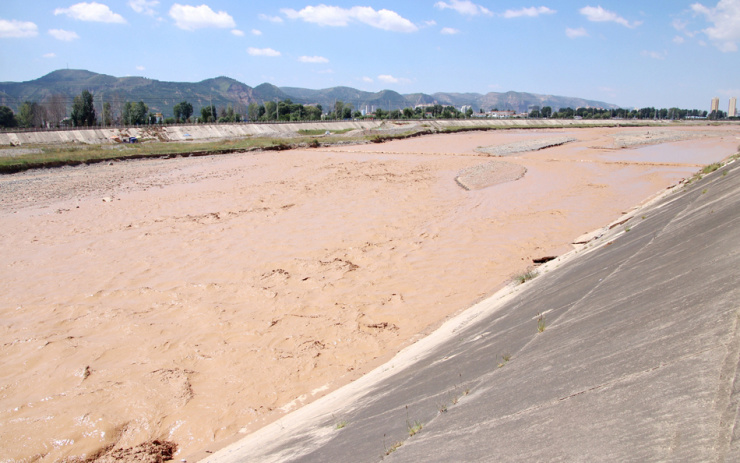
182	111
208	113
270	111
347	111
229	115
29	115
408	113
314	113
107	114
546	112
338	108
56	109
380	114
7	118
469	112
135	113
394	114
83	111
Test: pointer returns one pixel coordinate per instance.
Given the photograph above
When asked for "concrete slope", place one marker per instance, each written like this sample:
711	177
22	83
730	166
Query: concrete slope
201	132
638	359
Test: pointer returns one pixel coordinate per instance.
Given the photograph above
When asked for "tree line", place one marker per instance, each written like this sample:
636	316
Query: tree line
620	113
53	113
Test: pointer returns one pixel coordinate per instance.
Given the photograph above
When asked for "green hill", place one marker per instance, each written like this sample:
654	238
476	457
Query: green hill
222	91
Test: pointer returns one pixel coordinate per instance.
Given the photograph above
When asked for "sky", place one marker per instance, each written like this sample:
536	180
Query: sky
660	53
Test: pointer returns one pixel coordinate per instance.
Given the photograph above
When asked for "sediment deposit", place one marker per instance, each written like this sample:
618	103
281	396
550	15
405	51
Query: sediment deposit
194	299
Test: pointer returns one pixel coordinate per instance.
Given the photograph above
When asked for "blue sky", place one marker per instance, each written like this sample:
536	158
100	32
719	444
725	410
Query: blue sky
658	53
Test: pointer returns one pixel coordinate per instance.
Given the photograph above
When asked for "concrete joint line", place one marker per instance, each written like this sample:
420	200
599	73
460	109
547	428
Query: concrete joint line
618	380
728	398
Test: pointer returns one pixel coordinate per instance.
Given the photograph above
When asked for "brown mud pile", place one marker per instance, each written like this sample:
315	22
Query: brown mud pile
191	300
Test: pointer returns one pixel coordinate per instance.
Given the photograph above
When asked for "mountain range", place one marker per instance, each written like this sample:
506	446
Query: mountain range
161	96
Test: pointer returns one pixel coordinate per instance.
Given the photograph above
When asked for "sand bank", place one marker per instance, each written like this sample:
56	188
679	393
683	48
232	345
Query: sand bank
192	300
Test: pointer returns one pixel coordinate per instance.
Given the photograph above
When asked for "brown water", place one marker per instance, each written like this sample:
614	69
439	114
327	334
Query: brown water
205	297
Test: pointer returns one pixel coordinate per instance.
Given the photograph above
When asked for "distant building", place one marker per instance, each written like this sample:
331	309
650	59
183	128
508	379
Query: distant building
465	108
715	104
501	114
732	110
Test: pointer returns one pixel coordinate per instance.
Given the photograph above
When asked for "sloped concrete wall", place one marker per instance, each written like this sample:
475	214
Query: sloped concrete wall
217	131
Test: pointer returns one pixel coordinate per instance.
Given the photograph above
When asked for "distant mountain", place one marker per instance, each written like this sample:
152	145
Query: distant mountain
221	91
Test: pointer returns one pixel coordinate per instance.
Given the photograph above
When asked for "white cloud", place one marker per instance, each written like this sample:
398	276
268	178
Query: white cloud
313	59
725	33
449	31
272	19
65	36
324	15
529	12
190	18
256	32
144	6
575	33
49	55
389	79
17	29
678	40
465	7
237	32
140	68
430	23
598	14
654	54
262	52
367	79
94	12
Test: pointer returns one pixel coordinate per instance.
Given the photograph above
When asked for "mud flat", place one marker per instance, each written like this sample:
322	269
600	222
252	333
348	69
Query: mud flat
193	300
524	146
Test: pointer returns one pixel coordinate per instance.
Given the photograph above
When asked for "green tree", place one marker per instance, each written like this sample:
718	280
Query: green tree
469	112
380	114
26	114
546	112
83	111
314	113
135	113
107	114
338	110
270	111
208	113
408	113
182	111
394	114
7	118
347	111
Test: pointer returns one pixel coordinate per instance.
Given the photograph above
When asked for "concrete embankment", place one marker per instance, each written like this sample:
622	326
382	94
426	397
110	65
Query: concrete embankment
223	131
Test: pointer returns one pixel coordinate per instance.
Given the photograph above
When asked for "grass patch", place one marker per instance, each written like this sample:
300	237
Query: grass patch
71	155
526	276
341	424
541	323
711	168
393	448
415	428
